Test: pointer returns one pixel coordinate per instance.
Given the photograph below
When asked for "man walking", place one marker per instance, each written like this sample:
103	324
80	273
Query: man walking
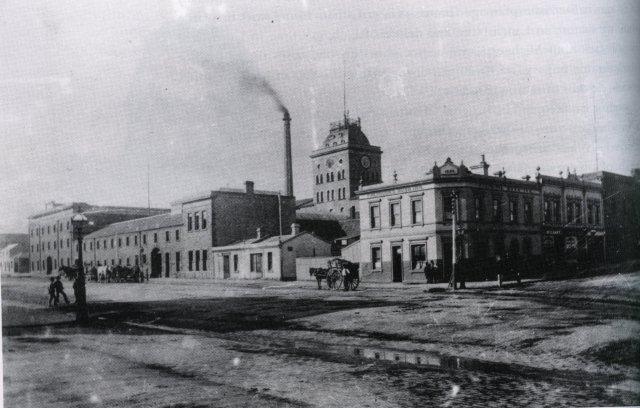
53	300
60	290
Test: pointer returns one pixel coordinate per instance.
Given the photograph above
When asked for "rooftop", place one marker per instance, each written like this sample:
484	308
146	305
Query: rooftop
139	224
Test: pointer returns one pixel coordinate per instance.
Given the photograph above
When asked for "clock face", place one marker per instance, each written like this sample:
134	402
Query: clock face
329	163
365	161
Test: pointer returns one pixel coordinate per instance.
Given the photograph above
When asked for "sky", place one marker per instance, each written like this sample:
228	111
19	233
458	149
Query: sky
94	93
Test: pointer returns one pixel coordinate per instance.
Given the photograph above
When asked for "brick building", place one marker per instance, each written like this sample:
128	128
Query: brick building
402	225
621	205
344	161
51	243
179	244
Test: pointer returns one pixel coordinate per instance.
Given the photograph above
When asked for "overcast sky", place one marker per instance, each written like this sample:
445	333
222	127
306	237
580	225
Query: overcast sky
92	91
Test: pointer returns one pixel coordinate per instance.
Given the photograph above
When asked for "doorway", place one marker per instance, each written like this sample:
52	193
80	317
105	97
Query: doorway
226	273
396	257
49	265
156	263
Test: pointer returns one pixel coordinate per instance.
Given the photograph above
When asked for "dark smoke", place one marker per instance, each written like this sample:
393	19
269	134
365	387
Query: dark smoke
258	83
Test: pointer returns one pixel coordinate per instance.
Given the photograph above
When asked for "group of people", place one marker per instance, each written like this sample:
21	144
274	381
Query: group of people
56	288
117	274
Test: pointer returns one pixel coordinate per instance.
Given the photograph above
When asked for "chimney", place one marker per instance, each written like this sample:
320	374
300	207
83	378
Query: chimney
258	233
248	187
288	167
295	229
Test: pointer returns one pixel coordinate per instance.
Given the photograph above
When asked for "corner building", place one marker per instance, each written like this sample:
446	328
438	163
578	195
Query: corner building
404	225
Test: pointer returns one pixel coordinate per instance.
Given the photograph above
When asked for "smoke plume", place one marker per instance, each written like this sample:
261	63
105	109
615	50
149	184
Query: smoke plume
257	83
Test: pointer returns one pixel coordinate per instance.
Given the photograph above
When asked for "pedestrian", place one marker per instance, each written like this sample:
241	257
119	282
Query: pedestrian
53	300
346	277
59	288
434	271
427	271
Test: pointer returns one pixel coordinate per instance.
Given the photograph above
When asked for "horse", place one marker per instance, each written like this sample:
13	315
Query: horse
68	272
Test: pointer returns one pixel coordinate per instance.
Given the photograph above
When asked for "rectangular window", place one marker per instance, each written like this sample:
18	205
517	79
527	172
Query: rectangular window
135	240
528	212
119	261
570	219
197	260
496	207
189	222
395	216
269	261
478	208
97	244
235	262
256	262
127	241
204	259
136	260
196	221
190	257
144	239
119	242
376	258
557	216
449	203
416	211
155	237
177	261
204	220
166	236
513	210
374	211
128	263
578	212
547	211
177	235
418	256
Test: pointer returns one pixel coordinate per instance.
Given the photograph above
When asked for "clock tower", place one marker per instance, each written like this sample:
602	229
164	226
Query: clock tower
343	161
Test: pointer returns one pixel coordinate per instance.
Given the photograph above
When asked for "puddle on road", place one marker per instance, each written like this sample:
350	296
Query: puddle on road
426	359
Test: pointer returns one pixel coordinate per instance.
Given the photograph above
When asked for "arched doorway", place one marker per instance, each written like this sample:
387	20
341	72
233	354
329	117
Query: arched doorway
156	263
49	265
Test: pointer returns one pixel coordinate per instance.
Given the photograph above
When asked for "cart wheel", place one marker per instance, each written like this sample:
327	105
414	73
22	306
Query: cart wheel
354	283
336	279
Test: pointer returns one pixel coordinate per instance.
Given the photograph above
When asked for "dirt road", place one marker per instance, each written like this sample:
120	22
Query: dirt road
200	344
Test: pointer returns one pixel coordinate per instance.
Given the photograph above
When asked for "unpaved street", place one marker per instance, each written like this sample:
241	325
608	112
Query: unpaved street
200	344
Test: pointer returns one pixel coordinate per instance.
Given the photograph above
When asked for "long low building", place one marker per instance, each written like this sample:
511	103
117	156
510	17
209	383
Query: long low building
405	225
178	244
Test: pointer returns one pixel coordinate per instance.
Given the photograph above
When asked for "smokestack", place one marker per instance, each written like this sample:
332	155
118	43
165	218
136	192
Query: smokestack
288	168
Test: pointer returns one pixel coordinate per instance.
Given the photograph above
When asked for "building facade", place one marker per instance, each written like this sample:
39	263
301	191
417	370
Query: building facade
272	257
14	259
51	243
345	160
178	244
404	225
621	206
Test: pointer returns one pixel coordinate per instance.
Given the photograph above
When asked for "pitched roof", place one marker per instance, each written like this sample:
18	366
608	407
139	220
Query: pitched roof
271	241
138	224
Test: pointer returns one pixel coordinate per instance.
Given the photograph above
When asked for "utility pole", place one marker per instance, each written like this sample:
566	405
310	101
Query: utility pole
82	315
454	211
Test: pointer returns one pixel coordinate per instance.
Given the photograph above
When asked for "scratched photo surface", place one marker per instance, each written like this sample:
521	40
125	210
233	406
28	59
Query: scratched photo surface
320	203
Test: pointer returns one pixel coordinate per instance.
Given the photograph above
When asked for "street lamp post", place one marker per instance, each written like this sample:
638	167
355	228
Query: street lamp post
454	211
79	221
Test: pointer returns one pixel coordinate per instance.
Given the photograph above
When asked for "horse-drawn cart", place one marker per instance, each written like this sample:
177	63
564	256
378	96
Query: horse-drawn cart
339	274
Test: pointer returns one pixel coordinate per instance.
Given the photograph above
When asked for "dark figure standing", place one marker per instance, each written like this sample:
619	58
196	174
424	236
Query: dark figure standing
428	271
59	288
53	300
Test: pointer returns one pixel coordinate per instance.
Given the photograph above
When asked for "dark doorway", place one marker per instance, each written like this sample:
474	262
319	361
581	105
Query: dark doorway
396	256
167	269
156	263
49	265
226	273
